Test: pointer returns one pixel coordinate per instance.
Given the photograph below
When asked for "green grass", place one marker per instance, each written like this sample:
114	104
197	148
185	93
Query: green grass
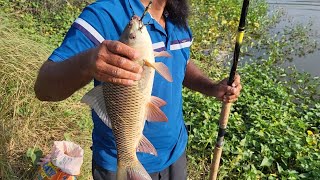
25	121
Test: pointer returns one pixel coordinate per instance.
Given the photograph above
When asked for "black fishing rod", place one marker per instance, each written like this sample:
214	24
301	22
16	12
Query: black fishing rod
225	111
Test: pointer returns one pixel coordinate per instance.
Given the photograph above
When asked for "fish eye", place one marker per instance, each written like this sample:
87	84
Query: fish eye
132	35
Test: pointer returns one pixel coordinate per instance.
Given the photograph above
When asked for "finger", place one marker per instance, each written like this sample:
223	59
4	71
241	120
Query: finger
230	101
116	72
114	80
118	47
229	90
227	100
233	90
236	81
124	63
119	81
229	97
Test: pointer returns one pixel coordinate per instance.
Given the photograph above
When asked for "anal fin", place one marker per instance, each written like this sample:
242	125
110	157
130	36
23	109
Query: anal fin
146	146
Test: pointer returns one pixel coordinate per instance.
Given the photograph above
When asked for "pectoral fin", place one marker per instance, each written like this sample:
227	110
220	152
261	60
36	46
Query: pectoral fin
146	146
161	54
161	68
95	100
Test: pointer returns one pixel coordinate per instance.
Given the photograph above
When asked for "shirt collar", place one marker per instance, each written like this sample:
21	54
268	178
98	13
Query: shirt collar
138	9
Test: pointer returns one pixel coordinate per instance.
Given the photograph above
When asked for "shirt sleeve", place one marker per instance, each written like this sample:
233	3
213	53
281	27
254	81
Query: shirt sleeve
191	41
82	35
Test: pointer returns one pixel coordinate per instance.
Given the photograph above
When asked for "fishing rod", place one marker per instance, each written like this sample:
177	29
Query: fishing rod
225	111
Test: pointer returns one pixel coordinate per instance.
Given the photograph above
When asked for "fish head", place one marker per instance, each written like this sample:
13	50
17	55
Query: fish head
135	32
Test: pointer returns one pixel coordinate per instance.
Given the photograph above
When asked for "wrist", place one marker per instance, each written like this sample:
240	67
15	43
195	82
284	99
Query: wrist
88	60
213	89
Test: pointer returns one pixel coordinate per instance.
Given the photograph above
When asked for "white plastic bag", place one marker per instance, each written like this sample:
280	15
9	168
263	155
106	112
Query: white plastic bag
67	156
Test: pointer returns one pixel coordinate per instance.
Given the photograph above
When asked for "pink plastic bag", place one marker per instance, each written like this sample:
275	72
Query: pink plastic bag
65	159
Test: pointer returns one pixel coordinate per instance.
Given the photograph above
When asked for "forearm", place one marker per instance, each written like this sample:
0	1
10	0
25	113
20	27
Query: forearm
195	80
58	81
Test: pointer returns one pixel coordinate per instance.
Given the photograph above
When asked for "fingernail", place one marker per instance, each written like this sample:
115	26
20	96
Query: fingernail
233	85
140	70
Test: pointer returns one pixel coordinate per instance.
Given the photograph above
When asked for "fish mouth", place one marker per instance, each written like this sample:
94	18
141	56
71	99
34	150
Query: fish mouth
137	18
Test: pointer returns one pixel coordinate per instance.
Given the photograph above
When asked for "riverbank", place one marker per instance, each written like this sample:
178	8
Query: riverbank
304	13
273	128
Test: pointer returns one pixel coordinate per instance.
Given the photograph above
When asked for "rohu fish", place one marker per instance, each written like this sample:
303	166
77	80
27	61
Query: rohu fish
126	108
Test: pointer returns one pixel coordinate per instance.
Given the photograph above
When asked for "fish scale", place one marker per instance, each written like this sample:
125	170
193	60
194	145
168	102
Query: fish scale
125	113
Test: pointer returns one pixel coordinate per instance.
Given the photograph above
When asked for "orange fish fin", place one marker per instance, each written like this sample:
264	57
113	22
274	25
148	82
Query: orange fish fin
157	101
95	100
161	54
161	68
146	146
154	113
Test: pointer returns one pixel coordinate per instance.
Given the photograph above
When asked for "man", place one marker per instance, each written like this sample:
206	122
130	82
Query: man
90	51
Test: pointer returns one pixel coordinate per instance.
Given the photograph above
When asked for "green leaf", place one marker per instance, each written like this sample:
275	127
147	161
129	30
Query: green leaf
67	136
34	154
266	162
303	175
280	169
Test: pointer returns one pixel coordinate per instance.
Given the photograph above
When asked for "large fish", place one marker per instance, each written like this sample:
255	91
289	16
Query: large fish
126	108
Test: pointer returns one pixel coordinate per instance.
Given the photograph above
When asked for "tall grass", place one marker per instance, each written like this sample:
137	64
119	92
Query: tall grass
25	122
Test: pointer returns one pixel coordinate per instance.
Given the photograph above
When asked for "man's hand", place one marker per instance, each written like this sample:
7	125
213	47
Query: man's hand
113	62
227	93
196	80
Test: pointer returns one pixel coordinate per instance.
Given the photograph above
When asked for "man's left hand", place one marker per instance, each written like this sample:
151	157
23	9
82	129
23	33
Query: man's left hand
227	93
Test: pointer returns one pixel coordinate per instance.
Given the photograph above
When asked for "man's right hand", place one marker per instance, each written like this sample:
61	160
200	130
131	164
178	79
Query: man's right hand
113	62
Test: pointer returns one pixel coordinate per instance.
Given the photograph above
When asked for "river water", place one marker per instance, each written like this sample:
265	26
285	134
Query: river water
302	11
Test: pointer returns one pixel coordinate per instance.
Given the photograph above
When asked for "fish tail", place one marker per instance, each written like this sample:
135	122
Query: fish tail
134	172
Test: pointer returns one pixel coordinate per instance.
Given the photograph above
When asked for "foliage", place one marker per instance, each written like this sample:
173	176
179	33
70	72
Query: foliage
215	23
49	18
274	126
273	133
